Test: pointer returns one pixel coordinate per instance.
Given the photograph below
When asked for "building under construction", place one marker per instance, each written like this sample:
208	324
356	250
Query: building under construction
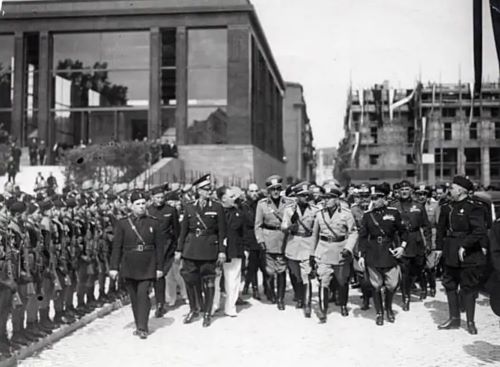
426	134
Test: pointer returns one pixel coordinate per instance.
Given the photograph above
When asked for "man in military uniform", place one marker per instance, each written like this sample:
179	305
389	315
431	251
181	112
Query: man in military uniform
377	237
8	286
138	256
201	246
461	234
169	224
268	218
414	217
298	222
335	236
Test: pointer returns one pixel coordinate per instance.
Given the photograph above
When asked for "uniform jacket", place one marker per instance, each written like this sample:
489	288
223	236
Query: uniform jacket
462	224
268	220
235	226
414	217
300	224
197	242
431	207
135	264
249	240
170	227
493	283
343	225
375	241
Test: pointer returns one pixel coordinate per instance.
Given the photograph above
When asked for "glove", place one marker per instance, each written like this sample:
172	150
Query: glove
346	254
177	256
262	246
398	252
221	259
361	263
159	274
113	274
461	254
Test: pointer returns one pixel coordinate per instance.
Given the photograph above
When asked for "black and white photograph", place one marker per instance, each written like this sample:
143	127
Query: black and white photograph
249	183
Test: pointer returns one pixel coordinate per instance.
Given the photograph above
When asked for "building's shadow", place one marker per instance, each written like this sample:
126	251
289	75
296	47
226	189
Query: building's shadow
484	351
438	310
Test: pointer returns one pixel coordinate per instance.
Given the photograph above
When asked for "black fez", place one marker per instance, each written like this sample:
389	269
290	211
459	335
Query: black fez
383	188
71	202
463	182
17	207
32	208
137	195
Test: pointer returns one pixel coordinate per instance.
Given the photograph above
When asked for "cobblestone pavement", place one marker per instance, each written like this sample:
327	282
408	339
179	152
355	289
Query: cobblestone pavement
263	336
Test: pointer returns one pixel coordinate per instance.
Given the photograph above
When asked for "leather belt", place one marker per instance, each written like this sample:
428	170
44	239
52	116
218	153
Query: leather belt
332	238
141	248
271	228
305	235
201	232
381	239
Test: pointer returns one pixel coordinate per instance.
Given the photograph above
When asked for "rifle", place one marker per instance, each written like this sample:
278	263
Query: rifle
53	267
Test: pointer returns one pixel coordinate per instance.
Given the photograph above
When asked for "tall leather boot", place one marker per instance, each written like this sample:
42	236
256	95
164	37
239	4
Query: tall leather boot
255	293
270	287
453	321
343	297
307	294
300	295
406	295
470	309
209	290
324	299
194	306
295	287
388	305
45	320
377	301
281	280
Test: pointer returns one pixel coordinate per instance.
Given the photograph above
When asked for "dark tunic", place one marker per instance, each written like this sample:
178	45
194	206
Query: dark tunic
169	225
133	264
249	240
416	222
235	225
461	224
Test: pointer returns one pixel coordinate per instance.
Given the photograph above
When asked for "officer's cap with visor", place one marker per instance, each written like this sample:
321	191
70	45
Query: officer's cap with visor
405	184
301	188
157	190
381	190
464	182
331	190
422	189
204	182
274	182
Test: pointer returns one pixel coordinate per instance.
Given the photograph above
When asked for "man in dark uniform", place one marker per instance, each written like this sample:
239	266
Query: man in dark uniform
461	234
201	246
169	224
493	284
377	237
414	217
138	255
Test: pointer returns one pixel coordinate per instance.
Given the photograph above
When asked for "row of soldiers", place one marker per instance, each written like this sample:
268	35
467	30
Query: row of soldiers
54	250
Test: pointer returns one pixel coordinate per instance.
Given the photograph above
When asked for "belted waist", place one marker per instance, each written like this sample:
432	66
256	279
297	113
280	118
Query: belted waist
381	239
202	232
455	234
305	235
332	238
140	248
271	228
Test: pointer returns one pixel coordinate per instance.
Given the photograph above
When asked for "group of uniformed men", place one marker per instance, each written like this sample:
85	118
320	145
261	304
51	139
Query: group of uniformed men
55	247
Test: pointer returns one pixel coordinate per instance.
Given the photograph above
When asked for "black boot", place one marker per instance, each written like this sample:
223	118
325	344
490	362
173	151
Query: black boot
160	310
432	292
270	287
388	306
255	293
281	280
209	290
19	340
45	320
194	304
377	301
343	297
470	309
245	288
5	349
60	319
300	295
454	320
33	328
366	302
323	303
307	299
406	299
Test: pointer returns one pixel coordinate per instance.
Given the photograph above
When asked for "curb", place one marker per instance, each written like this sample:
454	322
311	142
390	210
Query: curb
60	333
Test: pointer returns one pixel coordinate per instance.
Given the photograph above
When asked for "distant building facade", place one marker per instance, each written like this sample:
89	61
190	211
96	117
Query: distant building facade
297	135
325	164
427	134
95	70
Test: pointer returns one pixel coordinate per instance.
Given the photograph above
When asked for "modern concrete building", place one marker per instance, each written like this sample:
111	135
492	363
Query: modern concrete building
197	70
297	135
429	134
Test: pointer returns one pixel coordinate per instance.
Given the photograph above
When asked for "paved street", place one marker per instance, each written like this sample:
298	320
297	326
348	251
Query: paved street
263	336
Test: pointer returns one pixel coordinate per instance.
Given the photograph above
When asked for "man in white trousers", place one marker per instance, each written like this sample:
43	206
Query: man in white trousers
174	280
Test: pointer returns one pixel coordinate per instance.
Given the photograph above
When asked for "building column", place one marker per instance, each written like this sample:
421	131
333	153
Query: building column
18	103
45	127
181	86
485	166
238	85
154	119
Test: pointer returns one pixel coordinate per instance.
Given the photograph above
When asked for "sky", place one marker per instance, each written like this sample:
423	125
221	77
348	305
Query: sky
323	44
